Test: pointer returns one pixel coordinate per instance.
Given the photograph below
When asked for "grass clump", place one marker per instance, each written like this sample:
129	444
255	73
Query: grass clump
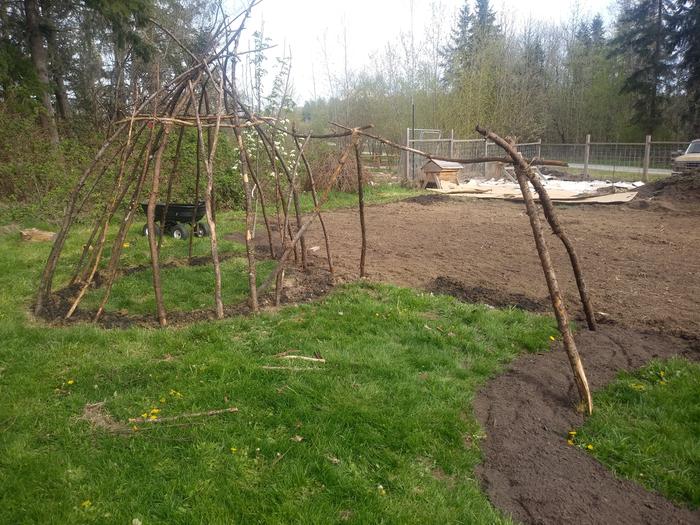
646	427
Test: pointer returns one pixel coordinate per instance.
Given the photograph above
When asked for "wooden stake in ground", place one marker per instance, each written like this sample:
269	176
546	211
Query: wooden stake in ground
558	230
551	216
287	251
314	196
361	200
152	236
208	202
550	276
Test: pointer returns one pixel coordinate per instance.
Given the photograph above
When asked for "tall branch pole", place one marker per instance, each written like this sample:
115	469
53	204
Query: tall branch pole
551	216
152	236
300	233
550	276
314	196
208	198
361	201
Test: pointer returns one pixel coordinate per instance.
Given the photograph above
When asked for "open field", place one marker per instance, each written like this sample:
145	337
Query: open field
641	264
393	425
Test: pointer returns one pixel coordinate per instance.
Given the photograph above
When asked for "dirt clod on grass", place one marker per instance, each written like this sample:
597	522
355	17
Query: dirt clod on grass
530	472
430	199
99	419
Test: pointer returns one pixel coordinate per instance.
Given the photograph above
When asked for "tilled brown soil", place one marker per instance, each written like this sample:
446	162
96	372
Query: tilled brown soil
643	269
530	472
642	265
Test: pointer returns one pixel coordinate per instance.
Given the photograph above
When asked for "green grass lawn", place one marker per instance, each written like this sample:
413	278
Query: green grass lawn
646	427
382	432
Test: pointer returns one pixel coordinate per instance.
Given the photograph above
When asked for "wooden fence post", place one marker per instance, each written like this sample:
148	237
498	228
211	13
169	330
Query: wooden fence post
647	157
586	155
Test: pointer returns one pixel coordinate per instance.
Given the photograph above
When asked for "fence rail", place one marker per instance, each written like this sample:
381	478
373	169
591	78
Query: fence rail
608	160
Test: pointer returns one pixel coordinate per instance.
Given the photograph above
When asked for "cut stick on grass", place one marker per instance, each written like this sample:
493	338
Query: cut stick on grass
184	416
304	358
292	368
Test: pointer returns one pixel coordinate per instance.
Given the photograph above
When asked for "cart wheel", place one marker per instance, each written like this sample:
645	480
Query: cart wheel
144	230
179	231
201	229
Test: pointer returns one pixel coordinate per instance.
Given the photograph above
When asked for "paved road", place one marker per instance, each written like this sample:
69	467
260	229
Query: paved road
622	169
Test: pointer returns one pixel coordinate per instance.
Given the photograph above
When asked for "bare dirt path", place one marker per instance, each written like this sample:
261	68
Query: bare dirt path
530	472
642	265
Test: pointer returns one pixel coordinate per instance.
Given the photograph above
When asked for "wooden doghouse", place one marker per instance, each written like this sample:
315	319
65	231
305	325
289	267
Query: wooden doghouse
435	172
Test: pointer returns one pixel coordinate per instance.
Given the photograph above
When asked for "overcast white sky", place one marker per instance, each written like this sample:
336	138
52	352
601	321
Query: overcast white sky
302	25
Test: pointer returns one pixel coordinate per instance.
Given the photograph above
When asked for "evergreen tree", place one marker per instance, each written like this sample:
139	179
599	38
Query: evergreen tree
456	54
644	39
484	25
597	30
686	25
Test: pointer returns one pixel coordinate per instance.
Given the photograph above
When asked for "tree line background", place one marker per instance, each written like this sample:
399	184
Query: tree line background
71	69
637	74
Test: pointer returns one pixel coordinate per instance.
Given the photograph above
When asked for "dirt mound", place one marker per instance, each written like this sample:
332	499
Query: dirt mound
530	472
563	175
684	188
485	295
429	200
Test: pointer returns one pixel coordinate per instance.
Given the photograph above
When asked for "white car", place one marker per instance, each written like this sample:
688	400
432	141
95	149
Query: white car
689	162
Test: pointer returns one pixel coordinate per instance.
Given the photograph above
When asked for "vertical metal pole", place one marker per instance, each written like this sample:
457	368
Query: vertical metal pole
452	144
647	157
408	145
586	155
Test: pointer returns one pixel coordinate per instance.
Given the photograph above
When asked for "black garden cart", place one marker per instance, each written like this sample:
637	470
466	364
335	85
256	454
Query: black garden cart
178	219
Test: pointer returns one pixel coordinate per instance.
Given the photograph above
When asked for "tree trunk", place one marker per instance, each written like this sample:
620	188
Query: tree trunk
40	61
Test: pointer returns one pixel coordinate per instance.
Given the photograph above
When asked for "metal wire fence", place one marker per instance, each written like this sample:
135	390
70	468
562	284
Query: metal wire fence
600	160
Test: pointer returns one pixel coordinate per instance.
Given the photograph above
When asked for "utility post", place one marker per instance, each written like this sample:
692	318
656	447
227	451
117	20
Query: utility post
586	155
647	157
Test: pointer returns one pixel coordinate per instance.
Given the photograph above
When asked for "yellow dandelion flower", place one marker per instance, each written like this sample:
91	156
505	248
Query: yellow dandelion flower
570	441
589	446
155	410
135	428
233	450
552	338
144	415
126	245
86	504
572	432
153	417
70	381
